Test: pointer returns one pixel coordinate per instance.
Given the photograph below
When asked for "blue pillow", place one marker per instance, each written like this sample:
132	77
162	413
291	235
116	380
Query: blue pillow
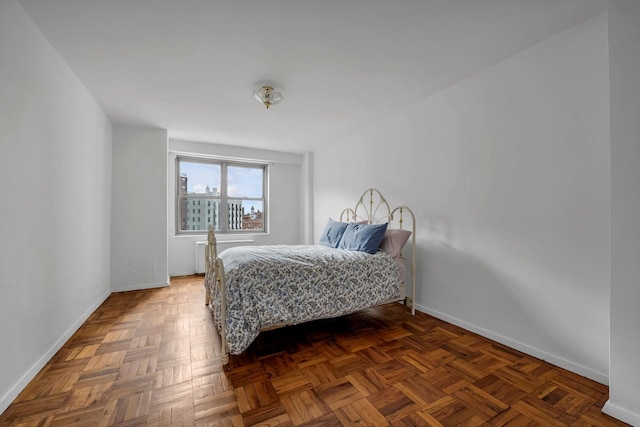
332	233
363	237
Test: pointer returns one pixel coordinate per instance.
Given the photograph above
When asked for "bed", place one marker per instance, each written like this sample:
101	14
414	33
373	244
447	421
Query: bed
357	264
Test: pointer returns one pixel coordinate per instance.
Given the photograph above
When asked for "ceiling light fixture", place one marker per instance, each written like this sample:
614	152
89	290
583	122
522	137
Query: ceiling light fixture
267	96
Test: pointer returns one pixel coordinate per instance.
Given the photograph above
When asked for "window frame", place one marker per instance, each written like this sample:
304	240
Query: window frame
223	220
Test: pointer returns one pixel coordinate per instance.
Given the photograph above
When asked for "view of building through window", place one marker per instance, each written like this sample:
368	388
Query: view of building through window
205	187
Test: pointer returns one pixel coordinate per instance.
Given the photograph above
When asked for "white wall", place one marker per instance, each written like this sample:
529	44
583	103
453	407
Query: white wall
55	201
508	173
624	55
139	246
285	176
306	200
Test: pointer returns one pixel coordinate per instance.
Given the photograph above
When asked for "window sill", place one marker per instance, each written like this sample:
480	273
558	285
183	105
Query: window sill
222	236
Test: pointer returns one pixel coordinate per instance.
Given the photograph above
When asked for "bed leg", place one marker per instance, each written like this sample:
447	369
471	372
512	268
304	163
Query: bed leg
214	280
210	254
220	280
207	275
413	279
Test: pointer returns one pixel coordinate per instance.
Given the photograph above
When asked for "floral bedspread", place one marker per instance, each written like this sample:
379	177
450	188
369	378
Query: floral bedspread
270	285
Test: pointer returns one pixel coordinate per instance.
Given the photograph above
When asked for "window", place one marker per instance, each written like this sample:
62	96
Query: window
234	193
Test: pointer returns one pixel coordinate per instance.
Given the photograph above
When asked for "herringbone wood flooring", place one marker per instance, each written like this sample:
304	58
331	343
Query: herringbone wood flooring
151	358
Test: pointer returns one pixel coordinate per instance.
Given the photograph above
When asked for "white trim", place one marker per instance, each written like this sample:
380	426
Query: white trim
186	273
532	351
9	396
230	242
621	414
204	234
140	287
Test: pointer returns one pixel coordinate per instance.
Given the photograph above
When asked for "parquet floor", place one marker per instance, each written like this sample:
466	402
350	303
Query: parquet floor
151	358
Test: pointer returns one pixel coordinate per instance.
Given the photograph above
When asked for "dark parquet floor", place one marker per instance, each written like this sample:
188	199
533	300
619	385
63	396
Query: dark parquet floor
151	357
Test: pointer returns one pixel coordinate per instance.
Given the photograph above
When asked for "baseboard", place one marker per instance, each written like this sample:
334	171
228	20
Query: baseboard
533	351
139	287
621	414
13	392
184	273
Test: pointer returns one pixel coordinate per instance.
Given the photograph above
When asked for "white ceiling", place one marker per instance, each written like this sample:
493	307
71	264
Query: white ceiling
190	66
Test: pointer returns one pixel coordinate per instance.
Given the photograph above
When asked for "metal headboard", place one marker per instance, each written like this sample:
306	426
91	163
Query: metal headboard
375	207
377	210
